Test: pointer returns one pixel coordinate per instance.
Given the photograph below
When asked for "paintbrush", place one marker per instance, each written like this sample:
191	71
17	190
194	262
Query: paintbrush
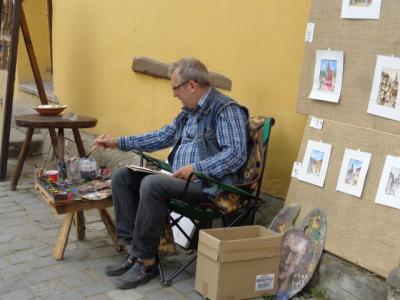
94	147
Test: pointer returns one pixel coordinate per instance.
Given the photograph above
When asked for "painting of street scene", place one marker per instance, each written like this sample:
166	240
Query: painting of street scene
360	3
327	75
353	171
315	162
393	183
388	87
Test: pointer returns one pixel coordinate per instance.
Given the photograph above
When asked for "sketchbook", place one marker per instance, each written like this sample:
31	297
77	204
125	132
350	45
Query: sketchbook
147	170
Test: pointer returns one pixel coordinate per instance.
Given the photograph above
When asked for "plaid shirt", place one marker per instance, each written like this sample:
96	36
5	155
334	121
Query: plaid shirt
231	135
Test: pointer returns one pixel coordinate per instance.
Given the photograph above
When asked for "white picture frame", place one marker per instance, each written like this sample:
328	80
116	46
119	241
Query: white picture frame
315	163
361	9
353	172
389	185
328	76
384	100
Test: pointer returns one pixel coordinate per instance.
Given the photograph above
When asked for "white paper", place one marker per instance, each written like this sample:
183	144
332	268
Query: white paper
295	169
389	185
353	171
328	75
384	98
316	123
361	9
187	225
310	32
315	163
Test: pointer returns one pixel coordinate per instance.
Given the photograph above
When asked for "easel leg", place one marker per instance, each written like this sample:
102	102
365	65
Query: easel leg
21	159
80	225
110	225
63	235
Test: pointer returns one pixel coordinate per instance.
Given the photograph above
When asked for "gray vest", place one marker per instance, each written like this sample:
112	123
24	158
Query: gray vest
207	142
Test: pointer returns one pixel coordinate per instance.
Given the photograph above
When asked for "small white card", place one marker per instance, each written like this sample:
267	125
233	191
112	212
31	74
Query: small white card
265	282
310	32
316	123
296	168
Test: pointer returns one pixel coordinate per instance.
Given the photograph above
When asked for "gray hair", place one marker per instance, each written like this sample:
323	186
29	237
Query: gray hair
191	69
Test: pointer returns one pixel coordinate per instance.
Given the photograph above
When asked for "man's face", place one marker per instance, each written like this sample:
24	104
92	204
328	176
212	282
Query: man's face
293	250
184	90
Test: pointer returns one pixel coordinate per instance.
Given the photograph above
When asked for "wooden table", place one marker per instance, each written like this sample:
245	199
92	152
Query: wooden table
74	208
49	122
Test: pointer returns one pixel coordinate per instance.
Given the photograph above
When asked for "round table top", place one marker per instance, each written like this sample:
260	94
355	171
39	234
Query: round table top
59	121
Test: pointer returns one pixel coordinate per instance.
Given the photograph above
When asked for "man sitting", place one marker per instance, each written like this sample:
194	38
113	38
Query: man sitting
209	135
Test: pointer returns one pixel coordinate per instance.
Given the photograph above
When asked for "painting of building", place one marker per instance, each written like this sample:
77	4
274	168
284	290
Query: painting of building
327	75
388	87
363	3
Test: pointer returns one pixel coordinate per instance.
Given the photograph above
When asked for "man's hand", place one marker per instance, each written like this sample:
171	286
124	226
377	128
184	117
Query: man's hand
184	172
106	141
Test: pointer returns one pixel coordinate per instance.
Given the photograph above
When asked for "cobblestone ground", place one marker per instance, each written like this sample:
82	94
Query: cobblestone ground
28	232
29	228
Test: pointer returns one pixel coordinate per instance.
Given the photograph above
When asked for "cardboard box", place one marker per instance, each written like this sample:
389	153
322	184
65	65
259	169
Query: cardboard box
238	262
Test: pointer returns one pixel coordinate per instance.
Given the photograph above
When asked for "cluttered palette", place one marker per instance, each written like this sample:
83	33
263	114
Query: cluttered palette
68	195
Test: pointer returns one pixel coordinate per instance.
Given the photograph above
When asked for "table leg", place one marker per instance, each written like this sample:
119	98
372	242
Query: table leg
21	159
62	240
78	141
60	143
110	225
80	225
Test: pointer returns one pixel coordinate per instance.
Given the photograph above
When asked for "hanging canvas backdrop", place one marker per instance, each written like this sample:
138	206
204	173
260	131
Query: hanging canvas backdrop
353	172
389	185
315	163
384	93
361	9
328	75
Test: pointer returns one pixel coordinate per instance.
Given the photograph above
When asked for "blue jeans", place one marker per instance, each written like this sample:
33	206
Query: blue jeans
140	204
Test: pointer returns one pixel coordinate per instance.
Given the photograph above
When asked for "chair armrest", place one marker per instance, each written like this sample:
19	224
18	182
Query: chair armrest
158	162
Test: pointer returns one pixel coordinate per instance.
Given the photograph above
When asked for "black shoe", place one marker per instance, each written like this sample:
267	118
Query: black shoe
121	268
137	275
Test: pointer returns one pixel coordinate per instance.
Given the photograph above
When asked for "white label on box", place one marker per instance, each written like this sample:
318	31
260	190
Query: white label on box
296	168
310	32
265	282
316	123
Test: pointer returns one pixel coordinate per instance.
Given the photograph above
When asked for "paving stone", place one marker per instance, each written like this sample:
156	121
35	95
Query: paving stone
16	214
76	279
96	288
22	294
15	221
184	286
194	296
15	271
6	237
41	262
164	294
124	295
70	295
48	289
102	252
18	245
21	256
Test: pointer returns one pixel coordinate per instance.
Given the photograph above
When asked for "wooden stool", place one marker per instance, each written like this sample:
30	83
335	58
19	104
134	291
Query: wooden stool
49	122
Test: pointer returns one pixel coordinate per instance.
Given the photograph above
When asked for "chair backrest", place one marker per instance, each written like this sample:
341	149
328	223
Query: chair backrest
253	171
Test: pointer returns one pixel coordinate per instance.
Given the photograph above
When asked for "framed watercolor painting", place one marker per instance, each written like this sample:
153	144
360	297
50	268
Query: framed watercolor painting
384	100
389	185
353	171
361	9
328	74
315	163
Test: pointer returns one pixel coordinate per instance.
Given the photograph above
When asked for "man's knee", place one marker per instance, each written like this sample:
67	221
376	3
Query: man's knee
120	176
152	183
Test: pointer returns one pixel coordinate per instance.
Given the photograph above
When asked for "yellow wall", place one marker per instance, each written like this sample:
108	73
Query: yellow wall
36	17
258	44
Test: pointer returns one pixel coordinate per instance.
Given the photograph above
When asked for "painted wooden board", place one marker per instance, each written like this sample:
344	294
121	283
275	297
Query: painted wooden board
301	250
284	220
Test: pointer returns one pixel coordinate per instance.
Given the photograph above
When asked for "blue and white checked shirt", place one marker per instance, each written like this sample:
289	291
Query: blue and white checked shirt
231	135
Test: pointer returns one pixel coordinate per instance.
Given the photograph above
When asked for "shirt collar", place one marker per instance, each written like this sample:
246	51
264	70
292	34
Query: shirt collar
203	98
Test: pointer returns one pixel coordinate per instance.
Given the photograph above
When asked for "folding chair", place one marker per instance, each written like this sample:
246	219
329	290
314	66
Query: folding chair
240	201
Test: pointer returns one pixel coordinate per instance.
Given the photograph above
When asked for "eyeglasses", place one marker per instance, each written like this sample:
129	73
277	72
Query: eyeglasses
174	88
